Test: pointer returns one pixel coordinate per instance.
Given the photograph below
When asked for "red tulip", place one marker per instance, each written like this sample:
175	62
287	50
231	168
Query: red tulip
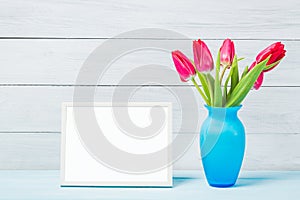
202	57
227	53
184	67
259	80
276	51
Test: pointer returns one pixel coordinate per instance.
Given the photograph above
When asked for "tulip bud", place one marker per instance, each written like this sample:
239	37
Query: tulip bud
202	57
227	53
276	51
184	67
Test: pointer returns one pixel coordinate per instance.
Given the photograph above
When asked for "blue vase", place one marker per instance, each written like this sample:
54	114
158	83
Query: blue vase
222	145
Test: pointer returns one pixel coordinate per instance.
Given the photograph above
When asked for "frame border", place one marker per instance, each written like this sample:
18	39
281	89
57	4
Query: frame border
64	183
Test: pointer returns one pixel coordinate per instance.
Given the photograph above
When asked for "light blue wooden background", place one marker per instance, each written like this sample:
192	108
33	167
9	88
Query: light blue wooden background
44	43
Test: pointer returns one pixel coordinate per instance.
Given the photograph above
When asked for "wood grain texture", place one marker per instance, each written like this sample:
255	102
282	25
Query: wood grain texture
37	109
58	61
44	44
42	151
29	151
208	19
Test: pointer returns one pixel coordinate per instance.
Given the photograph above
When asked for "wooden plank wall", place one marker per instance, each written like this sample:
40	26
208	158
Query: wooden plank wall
44	44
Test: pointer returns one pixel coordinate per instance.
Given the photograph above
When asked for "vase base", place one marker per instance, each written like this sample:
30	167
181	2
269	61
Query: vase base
221	185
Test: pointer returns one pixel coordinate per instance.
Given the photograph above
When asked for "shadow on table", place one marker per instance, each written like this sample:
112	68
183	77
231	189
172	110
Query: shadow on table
177	181
241	182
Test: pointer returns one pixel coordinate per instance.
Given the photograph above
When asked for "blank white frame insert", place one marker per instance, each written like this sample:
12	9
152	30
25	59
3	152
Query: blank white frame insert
80	168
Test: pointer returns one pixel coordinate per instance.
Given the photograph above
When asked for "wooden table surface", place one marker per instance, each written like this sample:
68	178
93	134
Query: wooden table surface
44	184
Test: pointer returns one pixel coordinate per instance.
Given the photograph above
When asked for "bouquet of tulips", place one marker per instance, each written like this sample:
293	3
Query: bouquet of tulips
216	91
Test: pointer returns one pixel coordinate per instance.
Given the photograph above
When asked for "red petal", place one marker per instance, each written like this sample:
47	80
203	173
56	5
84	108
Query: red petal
259	81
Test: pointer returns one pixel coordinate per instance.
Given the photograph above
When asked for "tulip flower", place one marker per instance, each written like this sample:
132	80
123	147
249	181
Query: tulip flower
214	89
184	67
227	53
276	51
202	57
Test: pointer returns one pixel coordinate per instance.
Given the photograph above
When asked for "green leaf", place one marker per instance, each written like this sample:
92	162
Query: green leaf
211	86
234	75
226	84
224	98
245	85
245	72
272	65
204	84
217	90
239	59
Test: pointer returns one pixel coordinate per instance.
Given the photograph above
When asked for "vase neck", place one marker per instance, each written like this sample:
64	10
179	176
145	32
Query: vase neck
223	113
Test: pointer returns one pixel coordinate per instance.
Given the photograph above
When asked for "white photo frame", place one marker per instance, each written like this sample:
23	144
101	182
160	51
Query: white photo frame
80	168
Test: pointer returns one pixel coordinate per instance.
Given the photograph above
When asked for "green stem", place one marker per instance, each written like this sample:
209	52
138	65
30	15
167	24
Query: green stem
200	91
222	74
217	91
204	84
210	88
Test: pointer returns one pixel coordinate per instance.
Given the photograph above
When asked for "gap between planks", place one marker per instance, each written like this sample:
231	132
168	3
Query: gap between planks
113	85
58	132
141	38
